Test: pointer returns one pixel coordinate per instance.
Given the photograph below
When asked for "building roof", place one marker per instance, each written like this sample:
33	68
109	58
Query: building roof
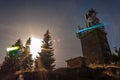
80	57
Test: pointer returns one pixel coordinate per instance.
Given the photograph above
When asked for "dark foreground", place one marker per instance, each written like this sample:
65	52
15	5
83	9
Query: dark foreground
84	73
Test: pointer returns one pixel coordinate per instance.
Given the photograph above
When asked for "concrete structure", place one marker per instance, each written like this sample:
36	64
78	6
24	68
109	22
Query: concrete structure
95	47
76	62
94	42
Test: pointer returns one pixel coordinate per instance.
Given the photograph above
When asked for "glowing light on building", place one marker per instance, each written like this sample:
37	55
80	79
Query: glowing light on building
90	28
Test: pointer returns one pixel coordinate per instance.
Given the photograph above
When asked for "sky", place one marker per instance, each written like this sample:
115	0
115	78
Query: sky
25	18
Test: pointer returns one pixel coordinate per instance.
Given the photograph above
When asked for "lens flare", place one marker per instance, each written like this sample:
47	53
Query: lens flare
12	48
35	47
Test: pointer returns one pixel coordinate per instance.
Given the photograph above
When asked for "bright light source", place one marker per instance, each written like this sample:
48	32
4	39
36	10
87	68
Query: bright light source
92	27
35	47
12	48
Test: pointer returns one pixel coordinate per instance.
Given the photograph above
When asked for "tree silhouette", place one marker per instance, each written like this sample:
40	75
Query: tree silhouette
11	62
46	53
16	53
27	62
16	60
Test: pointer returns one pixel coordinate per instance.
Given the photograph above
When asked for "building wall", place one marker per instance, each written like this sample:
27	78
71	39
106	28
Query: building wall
76	62
95	46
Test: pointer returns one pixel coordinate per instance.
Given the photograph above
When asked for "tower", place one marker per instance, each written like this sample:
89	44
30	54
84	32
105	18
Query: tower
94	42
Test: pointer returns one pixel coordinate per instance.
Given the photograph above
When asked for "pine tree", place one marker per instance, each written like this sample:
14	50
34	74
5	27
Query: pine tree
46	53
14	57
16	53
11	63
17	59
27	62
18	43
116	58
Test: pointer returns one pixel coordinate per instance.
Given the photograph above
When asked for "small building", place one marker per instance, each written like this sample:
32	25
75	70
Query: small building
76	62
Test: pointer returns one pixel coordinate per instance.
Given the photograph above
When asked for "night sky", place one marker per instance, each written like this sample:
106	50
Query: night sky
25	18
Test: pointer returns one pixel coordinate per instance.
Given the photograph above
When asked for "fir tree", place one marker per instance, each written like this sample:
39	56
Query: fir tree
11	64
46	53
17	59
117	51
38	64
16	53
18	43
27	62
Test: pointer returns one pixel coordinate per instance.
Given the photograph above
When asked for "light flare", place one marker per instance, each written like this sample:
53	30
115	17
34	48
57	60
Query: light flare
12	48
35	47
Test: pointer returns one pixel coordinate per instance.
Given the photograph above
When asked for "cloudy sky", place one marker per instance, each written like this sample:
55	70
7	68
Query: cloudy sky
25	18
